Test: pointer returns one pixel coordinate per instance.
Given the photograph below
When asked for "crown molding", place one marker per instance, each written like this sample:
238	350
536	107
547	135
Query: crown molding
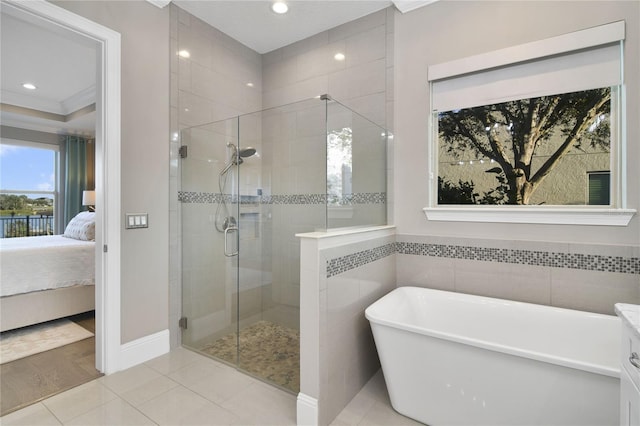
68	106
405	6
159	3
31	102
78	101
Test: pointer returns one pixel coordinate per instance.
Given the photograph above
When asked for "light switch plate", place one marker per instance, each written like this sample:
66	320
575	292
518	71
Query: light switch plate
136	220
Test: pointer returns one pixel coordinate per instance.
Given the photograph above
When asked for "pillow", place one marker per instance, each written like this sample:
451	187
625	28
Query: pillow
82	227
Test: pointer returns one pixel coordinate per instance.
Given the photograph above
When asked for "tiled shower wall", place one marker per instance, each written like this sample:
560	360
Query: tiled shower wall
342	274
304	70
212	85
368	274
208	86
587	277
363	81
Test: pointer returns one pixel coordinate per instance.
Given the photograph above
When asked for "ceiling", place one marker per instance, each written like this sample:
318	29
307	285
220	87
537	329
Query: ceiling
62	64
254	24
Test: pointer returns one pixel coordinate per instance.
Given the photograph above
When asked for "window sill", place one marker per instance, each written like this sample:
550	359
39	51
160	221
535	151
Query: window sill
538	214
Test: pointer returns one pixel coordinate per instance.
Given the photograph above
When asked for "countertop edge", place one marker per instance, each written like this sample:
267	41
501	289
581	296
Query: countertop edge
630	315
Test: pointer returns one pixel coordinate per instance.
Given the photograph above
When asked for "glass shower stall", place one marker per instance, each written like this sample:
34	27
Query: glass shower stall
249	184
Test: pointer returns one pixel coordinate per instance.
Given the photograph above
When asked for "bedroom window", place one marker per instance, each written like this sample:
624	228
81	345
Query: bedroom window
28	189
514	132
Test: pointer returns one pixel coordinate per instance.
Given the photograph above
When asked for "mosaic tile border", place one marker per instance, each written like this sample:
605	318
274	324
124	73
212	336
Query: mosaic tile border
351	261
202	197
358	198
294	199
350	199
588	262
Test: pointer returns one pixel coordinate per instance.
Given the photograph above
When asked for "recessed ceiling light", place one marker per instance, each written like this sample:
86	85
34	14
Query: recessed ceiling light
279	7
184	54
339	56
29	86
249	84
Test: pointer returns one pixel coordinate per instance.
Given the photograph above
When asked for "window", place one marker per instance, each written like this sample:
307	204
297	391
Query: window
533	151
599	193
28	189
516	132
339	166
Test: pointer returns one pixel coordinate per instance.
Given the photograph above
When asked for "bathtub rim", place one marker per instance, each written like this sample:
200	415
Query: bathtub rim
534	355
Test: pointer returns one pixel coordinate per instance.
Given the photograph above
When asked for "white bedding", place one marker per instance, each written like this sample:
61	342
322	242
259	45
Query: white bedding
41	263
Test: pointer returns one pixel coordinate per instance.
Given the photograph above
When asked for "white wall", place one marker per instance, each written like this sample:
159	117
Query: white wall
579	267
145	176
448	30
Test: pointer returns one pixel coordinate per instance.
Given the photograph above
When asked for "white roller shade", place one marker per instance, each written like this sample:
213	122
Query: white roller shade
583	60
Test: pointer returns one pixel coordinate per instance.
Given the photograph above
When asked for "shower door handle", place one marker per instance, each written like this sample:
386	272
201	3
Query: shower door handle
226	238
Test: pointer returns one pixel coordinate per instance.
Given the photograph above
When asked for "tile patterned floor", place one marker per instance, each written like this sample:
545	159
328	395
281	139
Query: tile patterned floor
185	388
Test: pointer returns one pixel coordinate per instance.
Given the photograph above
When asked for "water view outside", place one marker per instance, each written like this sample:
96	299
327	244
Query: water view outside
22	216
27	190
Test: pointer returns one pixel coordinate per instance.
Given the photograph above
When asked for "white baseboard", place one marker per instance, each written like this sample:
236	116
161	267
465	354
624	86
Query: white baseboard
307	410
143	349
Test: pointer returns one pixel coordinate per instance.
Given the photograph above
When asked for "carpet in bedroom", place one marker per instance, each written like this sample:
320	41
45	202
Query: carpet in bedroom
28	380
20	343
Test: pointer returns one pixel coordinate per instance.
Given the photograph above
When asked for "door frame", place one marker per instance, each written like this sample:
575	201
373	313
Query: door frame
107	185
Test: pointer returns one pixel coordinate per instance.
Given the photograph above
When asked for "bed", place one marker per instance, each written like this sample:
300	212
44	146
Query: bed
48	277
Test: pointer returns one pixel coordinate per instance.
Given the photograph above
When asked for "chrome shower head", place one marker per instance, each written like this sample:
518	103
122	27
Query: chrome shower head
237	156
247	152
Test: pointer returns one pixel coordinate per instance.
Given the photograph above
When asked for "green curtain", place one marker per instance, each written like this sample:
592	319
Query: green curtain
76	175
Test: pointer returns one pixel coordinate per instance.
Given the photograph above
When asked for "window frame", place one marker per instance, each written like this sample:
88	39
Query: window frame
56	193
616	214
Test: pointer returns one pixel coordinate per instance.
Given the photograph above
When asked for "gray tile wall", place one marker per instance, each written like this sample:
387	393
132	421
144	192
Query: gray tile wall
589	277
589	262
208	86
296	141
345	368
212	85
363	81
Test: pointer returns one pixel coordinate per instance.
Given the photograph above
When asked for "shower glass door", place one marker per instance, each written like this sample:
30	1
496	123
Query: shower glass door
248	186
209	203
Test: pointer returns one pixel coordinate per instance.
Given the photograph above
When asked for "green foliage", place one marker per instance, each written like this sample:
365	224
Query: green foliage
464	193
13	202
450	193
21	205
510	133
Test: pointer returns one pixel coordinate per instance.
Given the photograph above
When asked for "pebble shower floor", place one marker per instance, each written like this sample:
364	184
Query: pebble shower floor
267	350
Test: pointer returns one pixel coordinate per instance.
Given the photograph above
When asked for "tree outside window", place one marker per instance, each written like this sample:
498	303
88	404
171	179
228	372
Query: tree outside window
524	152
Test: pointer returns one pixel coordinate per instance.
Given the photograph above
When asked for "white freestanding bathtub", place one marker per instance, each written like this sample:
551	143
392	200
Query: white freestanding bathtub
451	358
